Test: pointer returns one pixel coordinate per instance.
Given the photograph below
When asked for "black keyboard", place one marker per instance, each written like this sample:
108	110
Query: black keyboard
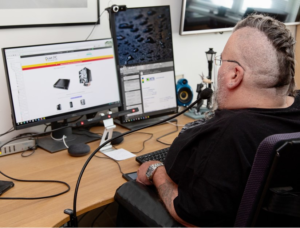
158	155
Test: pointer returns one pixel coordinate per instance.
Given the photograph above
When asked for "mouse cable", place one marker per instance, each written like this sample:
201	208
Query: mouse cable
95	24
72	213
35	198
168	144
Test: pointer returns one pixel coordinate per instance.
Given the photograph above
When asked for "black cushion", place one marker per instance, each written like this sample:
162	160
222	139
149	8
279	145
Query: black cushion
143	203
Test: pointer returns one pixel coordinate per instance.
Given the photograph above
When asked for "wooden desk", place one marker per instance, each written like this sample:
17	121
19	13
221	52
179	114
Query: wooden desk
98	185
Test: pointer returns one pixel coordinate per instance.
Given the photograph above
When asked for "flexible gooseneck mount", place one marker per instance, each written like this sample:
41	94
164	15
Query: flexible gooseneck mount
72	213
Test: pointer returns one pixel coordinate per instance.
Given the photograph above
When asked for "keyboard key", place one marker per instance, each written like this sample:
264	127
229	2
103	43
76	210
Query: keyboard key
159	155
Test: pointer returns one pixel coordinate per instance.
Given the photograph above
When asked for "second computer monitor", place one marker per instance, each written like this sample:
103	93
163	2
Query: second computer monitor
143	39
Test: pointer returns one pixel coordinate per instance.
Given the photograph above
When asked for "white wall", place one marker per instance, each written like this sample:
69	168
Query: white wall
189	51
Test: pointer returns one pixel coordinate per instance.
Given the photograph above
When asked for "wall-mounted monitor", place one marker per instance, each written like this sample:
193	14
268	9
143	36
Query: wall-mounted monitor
203	16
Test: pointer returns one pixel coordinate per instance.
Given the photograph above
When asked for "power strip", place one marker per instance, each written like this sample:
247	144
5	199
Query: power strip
17	146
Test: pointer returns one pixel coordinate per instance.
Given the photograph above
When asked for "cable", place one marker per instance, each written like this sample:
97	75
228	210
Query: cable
95	25
28	134
29	148
73	217
168	144
169	122
73	121
47	125
7	132
151	136
35	198
59	140
99	215
34	135
112	160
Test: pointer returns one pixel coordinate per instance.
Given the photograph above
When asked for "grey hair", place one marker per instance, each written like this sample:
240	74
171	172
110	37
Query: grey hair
283	42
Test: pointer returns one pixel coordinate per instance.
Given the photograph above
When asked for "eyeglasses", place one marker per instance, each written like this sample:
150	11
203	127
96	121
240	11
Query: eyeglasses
219	60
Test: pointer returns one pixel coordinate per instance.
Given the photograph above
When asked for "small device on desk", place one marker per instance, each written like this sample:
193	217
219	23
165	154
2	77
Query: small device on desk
130	176
51	83
5	186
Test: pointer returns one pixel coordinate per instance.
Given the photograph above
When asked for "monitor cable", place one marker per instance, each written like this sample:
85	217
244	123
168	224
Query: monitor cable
95	24
7	132
36	198
72	213
59	140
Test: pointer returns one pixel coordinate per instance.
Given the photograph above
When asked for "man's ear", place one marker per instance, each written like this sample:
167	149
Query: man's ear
236	77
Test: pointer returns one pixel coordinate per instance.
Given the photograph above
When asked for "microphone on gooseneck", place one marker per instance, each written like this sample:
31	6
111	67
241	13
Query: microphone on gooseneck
205	94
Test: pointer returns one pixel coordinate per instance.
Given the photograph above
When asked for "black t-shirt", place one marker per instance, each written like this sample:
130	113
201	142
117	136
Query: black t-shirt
211	162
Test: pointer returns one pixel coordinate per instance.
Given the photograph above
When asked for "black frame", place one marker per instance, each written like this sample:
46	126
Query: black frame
53	25
114	36
60	116
182	32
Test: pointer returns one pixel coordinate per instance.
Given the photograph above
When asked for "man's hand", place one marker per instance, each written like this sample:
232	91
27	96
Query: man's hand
142	173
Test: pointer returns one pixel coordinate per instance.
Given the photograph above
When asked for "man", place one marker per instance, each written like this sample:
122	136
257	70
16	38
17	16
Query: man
203	178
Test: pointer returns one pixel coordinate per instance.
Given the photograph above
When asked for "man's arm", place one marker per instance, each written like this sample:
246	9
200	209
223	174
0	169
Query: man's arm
167	189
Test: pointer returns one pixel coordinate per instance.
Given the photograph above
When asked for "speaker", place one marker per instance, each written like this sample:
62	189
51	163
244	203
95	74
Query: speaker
184	92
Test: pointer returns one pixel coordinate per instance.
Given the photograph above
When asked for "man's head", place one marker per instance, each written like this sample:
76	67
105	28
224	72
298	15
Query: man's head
258	60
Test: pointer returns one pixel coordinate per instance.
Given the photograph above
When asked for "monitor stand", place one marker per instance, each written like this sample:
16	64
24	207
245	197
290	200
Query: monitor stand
74	136
143	123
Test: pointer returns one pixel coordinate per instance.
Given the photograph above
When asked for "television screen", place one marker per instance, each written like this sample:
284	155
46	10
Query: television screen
201	16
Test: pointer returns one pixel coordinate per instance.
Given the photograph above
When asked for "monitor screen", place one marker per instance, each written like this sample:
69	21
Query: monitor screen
143	39
201	16
52	82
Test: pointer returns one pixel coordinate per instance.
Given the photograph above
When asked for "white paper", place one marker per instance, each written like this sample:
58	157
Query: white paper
119	154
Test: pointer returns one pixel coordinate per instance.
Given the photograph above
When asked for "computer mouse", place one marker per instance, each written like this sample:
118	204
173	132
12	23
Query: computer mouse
78	150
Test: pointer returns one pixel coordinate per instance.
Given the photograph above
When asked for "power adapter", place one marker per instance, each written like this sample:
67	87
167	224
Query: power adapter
17	146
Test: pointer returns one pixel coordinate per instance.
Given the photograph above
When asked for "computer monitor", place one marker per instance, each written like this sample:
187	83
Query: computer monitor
145	63
53	82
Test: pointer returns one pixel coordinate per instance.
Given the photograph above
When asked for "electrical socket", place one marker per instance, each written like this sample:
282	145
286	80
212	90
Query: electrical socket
17	146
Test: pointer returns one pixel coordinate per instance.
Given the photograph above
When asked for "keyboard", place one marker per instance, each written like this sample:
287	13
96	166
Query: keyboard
158	155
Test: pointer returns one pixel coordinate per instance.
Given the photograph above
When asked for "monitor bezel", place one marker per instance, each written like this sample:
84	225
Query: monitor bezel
203	31
62	116
114	35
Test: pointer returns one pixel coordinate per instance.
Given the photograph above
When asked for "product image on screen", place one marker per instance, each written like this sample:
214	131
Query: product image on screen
143	39
62	84
53	82
85	76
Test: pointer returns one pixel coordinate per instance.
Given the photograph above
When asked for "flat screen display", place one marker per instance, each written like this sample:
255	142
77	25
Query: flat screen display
52	82
145	60
201	16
